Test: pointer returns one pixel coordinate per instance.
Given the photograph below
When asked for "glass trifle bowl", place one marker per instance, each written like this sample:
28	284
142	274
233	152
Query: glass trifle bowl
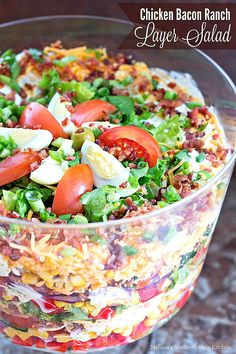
76	288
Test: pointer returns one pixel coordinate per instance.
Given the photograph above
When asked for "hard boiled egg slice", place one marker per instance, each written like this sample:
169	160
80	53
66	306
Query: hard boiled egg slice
58	107
29	82
49	172
28	138
106	169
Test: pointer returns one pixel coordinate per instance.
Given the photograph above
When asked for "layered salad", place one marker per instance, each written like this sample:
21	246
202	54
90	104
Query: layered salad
89	137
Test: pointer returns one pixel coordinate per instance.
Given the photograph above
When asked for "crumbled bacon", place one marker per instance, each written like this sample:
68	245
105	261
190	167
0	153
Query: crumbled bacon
193	140
4	70
194	144
183	184
172	84
65	122
199	116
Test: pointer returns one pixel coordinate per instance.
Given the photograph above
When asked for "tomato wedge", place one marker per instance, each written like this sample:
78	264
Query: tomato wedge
75	182
36	116
140	141
18	165
91	111
17	320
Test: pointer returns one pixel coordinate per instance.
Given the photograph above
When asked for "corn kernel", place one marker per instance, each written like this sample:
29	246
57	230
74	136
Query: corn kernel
78	304
59	303
11	332
7	297
150	323
110	274
118	330
77	281
153	315
63	338
29	278
135	298
127	331
37	333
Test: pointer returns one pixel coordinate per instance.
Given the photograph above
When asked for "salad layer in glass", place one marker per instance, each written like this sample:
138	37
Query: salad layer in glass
89	137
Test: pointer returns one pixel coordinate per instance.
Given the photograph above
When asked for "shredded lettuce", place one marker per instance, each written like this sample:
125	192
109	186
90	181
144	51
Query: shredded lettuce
51	82
123	103
171	195
169	132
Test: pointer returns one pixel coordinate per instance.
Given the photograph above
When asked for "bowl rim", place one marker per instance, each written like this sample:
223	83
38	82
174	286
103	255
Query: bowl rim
138	218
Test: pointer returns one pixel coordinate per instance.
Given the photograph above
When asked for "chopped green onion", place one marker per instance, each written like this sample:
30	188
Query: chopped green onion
98	82
55	155
129	250
103	91
79	219
58	142
65	217
170	95
34	199
200	157
192	105
64	61
46	215
10	82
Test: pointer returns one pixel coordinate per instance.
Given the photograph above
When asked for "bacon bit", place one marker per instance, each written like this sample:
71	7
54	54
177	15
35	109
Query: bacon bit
159	94
43	154
145	208
28	86
171	84
70	108
23	93
10	96
194	143
123	185
4	70
131	204
215	136
10	124
132	165
70	158
33	166
117	91
118	214
203	110
65	122
183	184
191	136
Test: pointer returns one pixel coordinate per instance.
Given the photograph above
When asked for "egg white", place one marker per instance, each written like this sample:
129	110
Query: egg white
31	78
58	108
5	90
106	169
49	172
28	138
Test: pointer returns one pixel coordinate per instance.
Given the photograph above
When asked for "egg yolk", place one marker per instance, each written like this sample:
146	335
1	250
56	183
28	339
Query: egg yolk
100	161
